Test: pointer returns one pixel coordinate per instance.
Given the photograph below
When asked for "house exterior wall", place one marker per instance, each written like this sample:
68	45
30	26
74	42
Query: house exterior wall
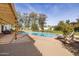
7	16
7	27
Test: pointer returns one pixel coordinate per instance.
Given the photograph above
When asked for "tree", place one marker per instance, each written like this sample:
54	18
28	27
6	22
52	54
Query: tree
42	19
50	28
60	26
34	27
27	21
76	27
78	23
65	28
68	21
20	20
33	17
32	21
77	20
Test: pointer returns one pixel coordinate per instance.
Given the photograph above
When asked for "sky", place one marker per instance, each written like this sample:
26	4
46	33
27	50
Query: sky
55	12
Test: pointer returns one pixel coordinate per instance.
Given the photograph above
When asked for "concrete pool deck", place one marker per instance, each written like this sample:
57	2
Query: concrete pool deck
50	47
41	47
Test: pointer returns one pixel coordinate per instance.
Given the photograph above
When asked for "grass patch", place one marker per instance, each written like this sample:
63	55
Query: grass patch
55	32
60	32
77	33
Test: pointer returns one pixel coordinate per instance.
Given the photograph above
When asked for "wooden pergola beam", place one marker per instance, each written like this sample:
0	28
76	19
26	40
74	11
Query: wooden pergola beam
8	15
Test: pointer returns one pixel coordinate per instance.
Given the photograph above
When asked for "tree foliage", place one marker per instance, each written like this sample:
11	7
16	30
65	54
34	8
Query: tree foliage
68	21
65	27
33	21
42	19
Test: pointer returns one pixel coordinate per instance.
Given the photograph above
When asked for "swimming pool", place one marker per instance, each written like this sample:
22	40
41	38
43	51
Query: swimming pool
40	34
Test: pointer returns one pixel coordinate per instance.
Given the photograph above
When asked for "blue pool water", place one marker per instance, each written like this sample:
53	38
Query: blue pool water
39	34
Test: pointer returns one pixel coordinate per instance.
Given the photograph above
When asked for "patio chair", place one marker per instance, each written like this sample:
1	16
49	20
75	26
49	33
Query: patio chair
70	38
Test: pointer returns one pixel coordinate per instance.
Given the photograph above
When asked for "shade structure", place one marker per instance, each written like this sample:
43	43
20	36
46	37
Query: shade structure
7	14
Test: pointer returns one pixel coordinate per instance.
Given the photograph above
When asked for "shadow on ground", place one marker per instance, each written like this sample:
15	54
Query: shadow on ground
1	35
72	47
21	47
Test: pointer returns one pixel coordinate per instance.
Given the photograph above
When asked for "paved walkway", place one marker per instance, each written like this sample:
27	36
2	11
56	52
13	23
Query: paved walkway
6	39
23	46
51	47
32	45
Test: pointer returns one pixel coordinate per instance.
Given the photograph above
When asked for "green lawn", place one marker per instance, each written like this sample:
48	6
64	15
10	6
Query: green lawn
56	32
60	32
77	33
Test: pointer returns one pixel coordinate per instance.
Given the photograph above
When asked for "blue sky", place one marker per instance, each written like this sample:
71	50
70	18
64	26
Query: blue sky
54	11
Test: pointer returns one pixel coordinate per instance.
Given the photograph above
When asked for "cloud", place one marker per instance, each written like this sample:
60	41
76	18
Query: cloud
30	8
55	12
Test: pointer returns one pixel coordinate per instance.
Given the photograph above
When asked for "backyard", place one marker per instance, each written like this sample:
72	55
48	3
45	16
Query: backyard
31	46
39	31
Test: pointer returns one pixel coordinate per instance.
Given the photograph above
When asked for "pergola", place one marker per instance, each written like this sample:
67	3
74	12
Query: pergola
8	15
